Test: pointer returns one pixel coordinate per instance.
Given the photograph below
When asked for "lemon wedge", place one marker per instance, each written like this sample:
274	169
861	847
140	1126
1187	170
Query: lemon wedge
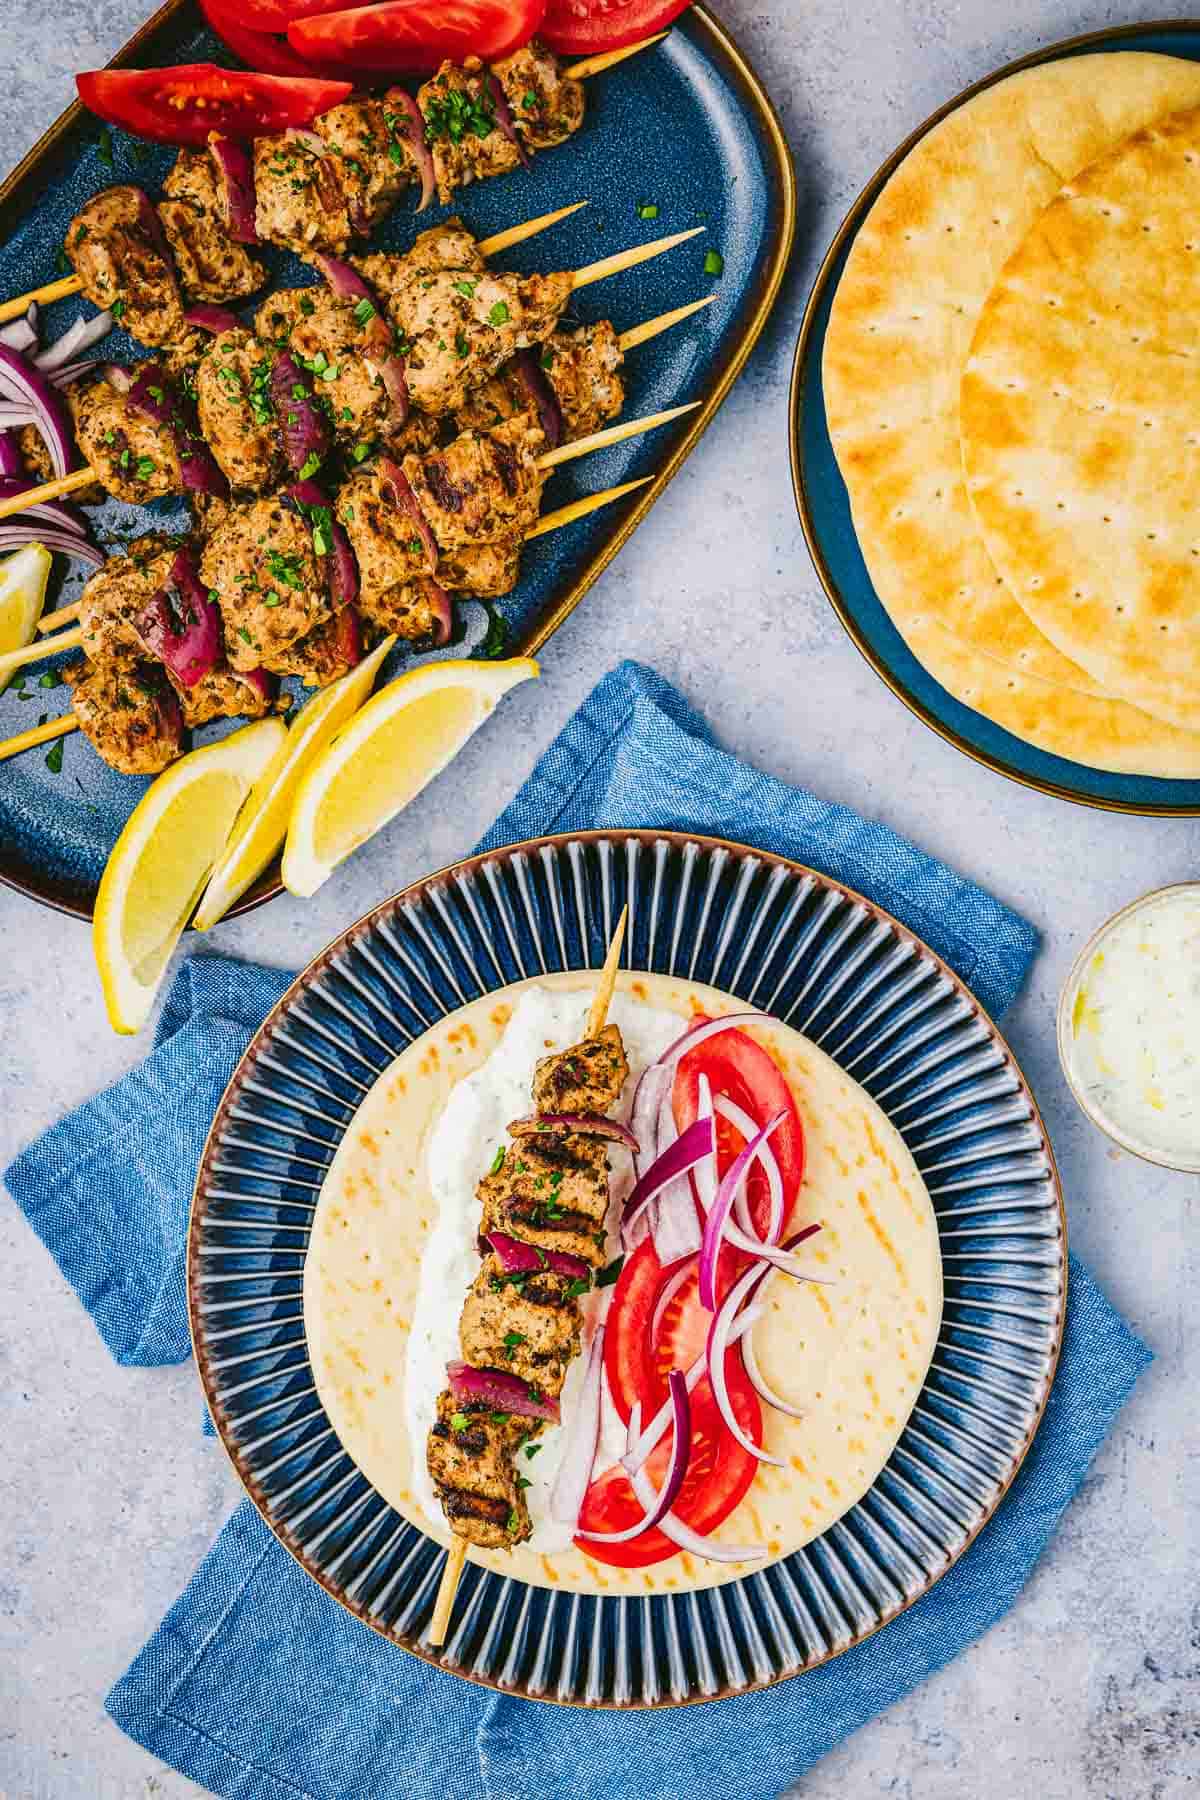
401	739
163	858
263	821
23	578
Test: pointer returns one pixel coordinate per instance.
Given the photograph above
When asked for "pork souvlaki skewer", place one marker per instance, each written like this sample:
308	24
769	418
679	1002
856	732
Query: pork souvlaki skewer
545	1190
320	189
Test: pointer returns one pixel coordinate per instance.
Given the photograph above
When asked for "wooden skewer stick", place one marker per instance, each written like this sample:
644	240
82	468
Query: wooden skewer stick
38	734
612	434
629	259
518	234
51	290
608	59
641	334
40	648
456	1556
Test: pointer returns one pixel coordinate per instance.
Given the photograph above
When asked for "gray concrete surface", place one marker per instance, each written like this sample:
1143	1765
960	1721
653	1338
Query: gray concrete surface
108	1495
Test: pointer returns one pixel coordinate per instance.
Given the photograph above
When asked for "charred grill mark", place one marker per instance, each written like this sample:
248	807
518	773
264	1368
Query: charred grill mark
449	497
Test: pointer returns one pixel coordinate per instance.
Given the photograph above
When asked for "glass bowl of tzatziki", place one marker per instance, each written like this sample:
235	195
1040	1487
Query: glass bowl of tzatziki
1129	1027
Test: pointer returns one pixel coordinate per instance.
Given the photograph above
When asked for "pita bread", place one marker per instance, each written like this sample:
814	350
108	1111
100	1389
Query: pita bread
906	308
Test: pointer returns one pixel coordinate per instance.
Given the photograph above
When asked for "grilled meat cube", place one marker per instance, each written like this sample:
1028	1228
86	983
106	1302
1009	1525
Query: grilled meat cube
300	203
391	558
461	129
134	456
34	454
581	365
233	401
221	695
470	1454
211	264
269	582
546	107
325	655
573	1233
208	511
530	1327
116	596
450	245
127	712
484	485
553	1193
486	571
460	326
587	1078
373	169
324	335
115	246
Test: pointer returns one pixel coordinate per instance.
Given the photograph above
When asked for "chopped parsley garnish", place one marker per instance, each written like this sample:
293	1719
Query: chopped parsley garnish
462	344
81	234
54	757
547	357
364	312
466	288
395	153
104	147
501	1418
51	679
610	1272
523	1482
497	1161
496	639
306	306
360	452
244	635
529	101
459	1421
580	1285
145	468
155	393
512	1339
117	309
498	314
647	210
452	115
512	1521
532	1451
63	261
310	465
714	263
285	569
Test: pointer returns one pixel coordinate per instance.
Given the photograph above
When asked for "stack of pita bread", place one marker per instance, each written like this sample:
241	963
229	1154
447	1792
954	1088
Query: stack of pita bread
1012	383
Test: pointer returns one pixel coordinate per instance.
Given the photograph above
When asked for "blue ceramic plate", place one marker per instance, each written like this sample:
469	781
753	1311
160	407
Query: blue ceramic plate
686	126
825	508
779	937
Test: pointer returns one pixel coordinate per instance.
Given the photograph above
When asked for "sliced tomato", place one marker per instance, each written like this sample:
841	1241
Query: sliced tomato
182	105
627	1330
274	15
719	1475
413	36
264	51
746	1073
577	27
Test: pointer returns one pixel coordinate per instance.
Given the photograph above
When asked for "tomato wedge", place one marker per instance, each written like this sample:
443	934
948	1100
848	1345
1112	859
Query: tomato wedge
746	1073
264	51
578	27
273	15
182	105
413	36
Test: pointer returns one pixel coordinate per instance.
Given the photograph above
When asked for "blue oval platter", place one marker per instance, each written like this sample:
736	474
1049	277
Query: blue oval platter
685	127
825	508
781	938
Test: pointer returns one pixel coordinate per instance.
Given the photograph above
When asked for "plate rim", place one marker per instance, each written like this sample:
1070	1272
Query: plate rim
750	89
415	890
1113	35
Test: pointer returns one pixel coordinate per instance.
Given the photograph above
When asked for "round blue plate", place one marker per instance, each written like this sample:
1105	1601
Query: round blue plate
825	507
779	937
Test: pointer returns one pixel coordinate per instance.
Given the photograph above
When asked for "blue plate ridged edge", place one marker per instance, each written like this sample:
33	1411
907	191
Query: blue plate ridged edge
824	509
808	951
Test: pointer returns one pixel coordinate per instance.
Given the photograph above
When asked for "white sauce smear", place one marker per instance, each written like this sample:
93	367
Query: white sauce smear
1135	1028
461	1149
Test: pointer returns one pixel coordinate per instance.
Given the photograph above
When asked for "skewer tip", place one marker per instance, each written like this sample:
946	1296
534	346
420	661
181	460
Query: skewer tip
608	59
602	999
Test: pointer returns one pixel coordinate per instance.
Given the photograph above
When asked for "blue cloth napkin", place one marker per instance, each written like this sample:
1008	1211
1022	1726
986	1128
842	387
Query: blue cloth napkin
256	1684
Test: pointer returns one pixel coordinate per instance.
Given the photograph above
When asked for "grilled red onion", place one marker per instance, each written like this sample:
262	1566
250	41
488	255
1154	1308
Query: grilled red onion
329	188
583	1435
343	570
681	1450
14	535
118	377
74	341
151	224
497	1389
350	642
212	318
342	278
396	482
302	425
504	118
263	683
235	178
443	610
20	381
11	466
718	1218
584	1124
70	372
517	1257
345	283
184	630
411	133
527	365
152	394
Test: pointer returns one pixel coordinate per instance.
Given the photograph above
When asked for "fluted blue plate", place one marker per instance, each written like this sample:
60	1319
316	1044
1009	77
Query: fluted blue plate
686	126
825	506
782	938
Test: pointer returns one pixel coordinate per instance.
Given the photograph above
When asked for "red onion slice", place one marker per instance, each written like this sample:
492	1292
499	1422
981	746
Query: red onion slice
742	1122
583	1435
186	636
263	684
443	611
674	1224
504	118
527	366
235	179
670	1288
681	1156
21	334
14	536
640	1443
350	642
411	133
302	425
345	283
652	1083
63	377
677	1467
342	568
499	1390
761	1387
585	1124
212	318
74	341
11	466
118	377
686	1539
342	278
718	1344
27	385
718	1218
153	394
396	483
516	1256
151	224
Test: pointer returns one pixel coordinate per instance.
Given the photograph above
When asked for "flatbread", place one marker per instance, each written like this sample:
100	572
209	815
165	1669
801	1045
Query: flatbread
1080	418
853	1354
901	326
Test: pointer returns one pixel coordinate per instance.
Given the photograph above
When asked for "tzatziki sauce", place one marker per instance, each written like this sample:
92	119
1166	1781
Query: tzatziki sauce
461	1149
1129	1029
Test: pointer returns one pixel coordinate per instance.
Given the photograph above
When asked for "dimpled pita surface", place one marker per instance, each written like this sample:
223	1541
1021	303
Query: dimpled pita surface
900	329
1081	421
